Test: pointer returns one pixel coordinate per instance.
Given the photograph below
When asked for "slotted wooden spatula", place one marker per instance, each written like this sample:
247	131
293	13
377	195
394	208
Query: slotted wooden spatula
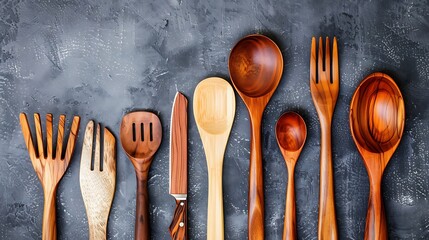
97	183
141	134
50	168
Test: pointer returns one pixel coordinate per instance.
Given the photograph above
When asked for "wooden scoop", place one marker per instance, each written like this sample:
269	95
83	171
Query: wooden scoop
256	67
141	134
214	111
291	133
377	116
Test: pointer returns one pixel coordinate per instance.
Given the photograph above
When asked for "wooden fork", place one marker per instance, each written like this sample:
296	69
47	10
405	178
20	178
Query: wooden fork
50	168
324	91
97	184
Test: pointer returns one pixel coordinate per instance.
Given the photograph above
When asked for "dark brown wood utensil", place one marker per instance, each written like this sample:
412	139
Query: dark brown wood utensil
324	91
141	134
291	133
256	66
377	117
50	168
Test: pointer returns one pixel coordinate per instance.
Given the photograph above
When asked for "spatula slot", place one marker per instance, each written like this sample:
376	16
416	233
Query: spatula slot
134	132
151	133
142	131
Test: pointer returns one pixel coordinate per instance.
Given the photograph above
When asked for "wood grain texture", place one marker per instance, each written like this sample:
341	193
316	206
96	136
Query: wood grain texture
377	117
291	133
255	66
141	135
178	227
214	111
49	168
179	166
324	91
98	185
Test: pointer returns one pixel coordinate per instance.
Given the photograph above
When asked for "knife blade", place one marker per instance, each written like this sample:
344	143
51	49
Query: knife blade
179	166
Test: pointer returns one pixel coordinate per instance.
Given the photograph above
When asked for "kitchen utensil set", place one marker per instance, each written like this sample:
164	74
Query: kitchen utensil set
255	64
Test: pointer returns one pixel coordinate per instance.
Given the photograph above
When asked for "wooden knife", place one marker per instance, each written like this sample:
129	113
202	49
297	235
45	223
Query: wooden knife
179	165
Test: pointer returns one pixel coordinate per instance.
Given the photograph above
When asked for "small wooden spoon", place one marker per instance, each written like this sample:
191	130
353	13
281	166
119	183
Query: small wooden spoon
256	67
141	134
377	117
291	133
214	111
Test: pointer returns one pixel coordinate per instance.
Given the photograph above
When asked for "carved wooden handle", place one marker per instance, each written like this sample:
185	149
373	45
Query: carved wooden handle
178	227
49	227
376	226
327	220
215	221
256	184
289	228
142	231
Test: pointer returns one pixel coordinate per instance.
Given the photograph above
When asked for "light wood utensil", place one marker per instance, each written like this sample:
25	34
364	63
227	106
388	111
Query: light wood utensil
49	166
214	111
255	66
324	91
291	133
141	134
97	183
377	117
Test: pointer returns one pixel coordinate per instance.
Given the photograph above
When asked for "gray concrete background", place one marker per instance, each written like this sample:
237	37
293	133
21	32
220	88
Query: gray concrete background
100	59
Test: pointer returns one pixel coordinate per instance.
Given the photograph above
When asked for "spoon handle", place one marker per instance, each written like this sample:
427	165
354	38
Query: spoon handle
49	226
376	227
327	220
289	228
142	206
256	184
215	222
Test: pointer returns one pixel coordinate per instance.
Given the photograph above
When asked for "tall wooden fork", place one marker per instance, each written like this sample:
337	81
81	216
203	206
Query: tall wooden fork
50	168
324	91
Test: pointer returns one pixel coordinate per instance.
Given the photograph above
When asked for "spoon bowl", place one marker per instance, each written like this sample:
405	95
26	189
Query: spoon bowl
377	117
255	66
291	133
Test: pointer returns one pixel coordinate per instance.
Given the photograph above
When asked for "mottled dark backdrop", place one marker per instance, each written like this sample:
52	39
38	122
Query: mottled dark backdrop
100	59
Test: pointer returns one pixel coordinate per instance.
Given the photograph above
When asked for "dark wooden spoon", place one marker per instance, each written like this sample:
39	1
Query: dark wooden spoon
377	116
256	66
141	134
291	133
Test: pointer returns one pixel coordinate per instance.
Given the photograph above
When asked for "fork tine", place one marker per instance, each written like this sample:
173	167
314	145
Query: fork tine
335	68
313	61
27	136
86	157
49	134
60	136
109	155
97	150
328	60
320	60
72	139
39	135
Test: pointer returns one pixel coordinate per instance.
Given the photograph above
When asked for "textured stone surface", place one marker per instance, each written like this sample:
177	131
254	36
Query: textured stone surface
100	59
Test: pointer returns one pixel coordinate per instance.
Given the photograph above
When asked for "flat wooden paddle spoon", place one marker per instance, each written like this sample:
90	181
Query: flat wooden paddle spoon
255	66
51	165
141	134
214	111
377	117
291	133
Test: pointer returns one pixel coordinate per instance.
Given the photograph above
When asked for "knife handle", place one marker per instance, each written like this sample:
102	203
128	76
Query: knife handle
178	227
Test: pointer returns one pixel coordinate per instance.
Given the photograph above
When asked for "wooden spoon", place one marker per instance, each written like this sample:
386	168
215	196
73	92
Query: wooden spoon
377	117
256	67
214	111
291	133
141	134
